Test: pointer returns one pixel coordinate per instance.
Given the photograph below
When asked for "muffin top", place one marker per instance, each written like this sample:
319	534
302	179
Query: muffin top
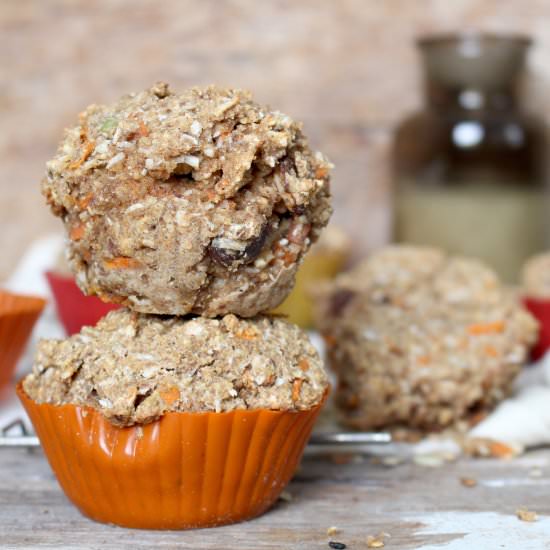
425	285
134	368
414	303
416	279
422	339
196	202
535	276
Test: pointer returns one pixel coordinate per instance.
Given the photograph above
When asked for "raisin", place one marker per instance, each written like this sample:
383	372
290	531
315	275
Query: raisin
227	257
339	300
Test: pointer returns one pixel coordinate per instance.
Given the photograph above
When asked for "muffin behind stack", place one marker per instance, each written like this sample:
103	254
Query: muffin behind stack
421	341
200	203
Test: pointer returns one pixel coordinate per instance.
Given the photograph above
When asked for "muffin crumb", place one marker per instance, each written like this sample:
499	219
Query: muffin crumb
526	515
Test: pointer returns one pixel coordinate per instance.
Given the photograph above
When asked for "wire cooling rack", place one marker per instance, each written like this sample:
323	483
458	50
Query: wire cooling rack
16	435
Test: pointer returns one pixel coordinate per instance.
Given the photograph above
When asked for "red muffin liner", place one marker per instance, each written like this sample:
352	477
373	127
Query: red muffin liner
74	308
18	314
540	309
183	471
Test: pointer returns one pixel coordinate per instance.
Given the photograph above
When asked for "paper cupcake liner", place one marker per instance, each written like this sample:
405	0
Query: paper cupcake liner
183	471
18	314
74	308
540	309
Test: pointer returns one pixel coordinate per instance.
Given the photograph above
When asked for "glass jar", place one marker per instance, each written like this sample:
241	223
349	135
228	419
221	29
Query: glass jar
469	168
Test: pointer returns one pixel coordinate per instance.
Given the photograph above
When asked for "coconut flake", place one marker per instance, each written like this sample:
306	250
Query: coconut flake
194	329
136	206
196	128
229	244
101	148
192	161
119	157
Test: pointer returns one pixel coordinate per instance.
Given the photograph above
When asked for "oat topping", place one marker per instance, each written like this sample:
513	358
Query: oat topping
536	277
196	202
133	368
421	340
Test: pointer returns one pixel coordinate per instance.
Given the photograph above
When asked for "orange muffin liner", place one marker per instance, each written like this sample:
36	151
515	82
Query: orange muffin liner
183	471
18	314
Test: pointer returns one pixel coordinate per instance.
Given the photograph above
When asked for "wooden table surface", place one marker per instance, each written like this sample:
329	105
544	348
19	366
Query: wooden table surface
417	506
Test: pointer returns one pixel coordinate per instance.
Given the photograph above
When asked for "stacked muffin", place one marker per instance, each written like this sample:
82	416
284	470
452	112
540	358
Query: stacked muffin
187	407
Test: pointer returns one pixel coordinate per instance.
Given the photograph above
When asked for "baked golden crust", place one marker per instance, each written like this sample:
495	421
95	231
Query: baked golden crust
201	202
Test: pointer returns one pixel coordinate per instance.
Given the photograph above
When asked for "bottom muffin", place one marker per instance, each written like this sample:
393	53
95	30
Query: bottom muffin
170	423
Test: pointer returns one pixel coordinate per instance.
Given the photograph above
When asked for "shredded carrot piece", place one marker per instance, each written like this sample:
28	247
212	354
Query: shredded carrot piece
211	195
296	388
170	395
108	298
88	149
321	172
143	130
303	364
121	262
84	201
423	359
289	258
247	334
486	328
77	232
500	450
491	351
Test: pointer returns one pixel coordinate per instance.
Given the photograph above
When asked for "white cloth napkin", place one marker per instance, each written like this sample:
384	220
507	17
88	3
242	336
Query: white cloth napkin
523	420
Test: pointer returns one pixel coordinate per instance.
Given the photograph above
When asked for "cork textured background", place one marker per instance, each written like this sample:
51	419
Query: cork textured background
348	69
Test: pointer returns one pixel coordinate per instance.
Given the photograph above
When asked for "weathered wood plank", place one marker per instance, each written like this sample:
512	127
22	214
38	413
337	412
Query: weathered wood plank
418	506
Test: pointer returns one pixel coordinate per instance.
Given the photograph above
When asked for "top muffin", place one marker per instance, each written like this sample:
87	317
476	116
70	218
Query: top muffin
201	202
